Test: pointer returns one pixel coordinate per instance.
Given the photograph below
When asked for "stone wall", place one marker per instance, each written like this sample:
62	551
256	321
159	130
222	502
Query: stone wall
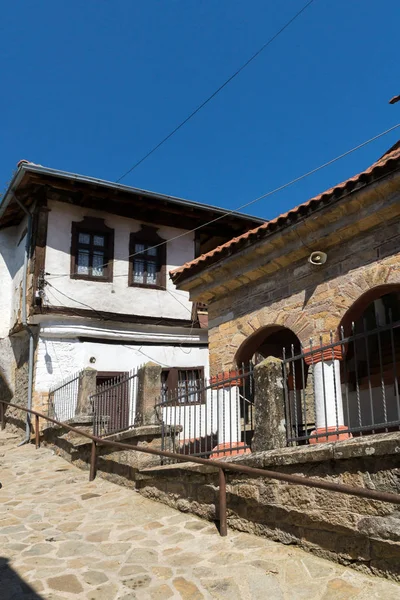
310	300
361	533
18	358
119	466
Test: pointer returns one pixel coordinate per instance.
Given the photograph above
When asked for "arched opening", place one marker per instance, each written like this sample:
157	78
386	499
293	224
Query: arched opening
370	369
377	307
271	340
282	343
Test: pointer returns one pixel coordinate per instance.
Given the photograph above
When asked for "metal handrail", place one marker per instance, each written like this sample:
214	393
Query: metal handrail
222	467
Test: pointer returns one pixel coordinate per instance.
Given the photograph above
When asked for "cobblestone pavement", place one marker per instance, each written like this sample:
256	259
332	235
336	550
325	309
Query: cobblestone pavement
62	537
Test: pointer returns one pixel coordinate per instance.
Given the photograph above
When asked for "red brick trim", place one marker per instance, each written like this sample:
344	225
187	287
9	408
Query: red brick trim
334	353
329	434
229	449
226	379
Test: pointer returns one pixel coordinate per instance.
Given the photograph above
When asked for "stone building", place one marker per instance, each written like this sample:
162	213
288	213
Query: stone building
318	281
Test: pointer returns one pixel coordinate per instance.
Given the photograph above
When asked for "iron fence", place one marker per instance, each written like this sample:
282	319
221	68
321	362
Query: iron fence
63	398
348	387
212	418
114	404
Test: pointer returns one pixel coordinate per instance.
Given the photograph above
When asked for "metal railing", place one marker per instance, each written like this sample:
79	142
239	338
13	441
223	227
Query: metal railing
63	398
114	404
221	466
209	418
349	386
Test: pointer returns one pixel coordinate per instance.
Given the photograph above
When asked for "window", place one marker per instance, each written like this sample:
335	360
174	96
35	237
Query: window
147	264
183	386
92	250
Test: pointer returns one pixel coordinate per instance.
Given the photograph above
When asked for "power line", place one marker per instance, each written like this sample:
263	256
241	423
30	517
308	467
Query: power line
217	91
77	301
262	197
102	317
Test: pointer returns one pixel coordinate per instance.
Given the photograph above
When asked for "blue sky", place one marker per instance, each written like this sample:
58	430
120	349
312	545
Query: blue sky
90	87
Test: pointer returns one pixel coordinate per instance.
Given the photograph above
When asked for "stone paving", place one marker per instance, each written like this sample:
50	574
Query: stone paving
62	537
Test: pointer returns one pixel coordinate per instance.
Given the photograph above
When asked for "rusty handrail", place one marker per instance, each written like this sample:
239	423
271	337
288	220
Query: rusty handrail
225	466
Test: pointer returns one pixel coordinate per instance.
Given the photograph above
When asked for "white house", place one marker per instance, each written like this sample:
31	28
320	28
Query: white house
84	280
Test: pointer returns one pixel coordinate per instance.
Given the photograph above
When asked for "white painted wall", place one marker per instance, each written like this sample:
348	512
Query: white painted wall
117	296
12	249
57	359
7	247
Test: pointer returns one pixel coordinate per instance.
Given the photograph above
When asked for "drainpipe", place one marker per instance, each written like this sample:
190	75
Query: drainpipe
25	318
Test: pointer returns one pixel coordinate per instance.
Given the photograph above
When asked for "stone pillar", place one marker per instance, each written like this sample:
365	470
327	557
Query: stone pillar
87	387
329	417
149	389
269	406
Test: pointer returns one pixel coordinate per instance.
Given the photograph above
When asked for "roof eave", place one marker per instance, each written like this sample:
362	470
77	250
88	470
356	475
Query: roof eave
189	271
33	168
13	185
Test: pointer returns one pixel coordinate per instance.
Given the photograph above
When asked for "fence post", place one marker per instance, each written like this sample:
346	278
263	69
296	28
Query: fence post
269	406
87	387
149	384
37	433
93	456
223	528
2	416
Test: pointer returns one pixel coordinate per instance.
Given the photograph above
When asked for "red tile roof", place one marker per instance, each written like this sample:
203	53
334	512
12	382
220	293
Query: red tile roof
383	165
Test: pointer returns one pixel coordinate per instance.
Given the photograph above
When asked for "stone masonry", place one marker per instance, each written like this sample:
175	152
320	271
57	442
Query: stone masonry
271	282
309	300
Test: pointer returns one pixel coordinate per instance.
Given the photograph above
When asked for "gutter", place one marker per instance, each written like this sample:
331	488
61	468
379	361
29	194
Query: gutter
73	331
25	318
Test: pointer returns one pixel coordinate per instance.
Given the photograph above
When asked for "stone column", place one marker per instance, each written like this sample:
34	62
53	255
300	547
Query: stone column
329	417
149	389
269	406
87	387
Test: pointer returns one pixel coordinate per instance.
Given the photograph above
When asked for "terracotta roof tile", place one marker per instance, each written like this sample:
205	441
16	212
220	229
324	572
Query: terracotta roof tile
392	155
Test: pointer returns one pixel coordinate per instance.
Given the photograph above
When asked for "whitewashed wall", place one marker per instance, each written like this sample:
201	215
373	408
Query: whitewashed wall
58	359
7	247
116	296
12	250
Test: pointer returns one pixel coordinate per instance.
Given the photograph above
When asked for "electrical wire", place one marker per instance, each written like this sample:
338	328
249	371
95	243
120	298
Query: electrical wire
262	197
216	92
148	356
77	301
100	315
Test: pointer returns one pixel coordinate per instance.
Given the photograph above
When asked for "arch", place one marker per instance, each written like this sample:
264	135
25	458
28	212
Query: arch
356	311
267	341
370	369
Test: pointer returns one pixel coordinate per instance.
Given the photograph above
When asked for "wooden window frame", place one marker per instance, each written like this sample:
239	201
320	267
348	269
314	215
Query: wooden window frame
173	379
92	226
148	235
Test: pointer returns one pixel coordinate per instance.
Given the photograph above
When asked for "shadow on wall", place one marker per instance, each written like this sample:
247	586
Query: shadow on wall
5	392
12	586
